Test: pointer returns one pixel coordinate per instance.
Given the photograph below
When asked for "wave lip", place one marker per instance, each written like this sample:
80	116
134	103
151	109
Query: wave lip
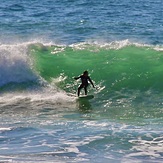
15	65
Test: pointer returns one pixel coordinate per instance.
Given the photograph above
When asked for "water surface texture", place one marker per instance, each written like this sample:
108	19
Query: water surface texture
44	44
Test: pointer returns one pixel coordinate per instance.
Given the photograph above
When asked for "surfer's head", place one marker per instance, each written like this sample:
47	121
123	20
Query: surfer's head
85	73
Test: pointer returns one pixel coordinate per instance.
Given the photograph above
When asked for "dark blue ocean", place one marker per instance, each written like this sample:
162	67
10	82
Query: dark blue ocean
44	44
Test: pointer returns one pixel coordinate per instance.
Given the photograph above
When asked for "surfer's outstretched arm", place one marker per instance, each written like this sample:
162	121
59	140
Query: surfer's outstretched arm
76	78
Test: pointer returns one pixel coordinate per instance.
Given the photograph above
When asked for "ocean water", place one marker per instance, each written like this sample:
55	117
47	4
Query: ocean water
44	44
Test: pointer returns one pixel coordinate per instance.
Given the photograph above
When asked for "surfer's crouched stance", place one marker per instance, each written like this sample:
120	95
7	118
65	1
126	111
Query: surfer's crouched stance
84	79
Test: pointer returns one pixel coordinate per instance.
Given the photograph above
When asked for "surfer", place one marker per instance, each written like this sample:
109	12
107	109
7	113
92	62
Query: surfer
84	79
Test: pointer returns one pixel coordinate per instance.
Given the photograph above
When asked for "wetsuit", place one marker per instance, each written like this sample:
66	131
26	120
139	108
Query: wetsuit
84	84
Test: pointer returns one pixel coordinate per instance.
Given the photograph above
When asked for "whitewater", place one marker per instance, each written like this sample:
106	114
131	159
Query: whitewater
44	45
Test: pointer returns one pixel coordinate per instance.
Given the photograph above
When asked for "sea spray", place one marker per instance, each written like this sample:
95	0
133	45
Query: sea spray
15	64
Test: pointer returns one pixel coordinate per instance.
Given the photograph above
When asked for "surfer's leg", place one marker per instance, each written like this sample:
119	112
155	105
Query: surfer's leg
78	91
85	89
79	88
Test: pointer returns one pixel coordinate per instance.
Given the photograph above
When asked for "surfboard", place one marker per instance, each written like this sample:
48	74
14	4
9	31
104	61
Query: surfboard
88	97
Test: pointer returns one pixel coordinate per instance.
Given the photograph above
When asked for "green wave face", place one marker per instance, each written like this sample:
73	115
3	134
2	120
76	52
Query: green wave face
129	67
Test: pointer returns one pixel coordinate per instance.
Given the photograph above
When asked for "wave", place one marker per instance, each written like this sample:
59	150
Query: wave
116	66
126	75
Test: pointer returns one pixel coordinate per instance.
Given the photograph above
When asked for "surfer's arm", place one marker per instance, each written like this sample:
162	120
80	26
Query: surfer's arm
91	82
76	78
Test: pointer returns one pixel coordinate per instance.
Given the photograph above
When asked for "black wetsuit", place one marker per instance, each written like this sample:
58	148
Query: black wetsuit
84	84
84	80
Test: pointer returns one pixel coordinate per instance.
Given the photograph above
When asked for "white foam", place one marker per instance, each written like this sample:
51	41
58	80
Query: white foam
15	64
5	128
35	97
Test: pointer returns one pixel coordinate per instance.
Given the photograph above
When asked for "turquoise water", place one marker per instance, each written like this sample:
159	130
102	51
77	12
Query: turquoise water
44	45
